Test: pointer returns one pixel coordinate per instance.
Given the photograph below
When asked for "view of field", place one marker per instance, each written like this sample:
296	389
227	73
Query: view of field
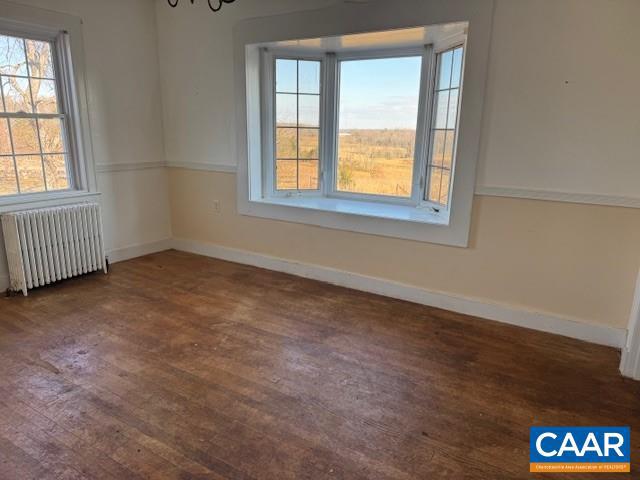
376	162
32	151
369	161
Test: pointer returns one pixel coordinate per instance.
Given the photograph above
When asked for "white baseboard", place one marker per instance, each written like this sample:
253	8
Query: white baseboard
559	325
133	251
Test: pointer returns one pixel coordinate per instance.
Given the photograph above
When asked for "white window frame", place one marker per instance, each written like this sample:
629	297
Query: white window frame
268	61
64	32
440	48
330	70
364	216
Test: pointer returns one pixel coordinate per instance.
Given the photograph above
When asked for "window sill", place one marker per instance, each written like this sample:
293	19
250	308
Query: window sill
26	201
404	213
373	218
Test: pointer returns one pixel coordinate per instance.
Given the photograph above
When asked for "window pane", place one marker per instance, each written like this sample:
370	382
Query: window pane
297	124
44	95
444	187
56	172
51	135
444	125
286	106
452	116
30	173
39	58
442	109
286	76
17	97
286	143
8	185
444	65
286	174
309	75
309	106
308	174
448	149
12	56
435	183
378	113
5	140
309	143
456	74
437	151
25	136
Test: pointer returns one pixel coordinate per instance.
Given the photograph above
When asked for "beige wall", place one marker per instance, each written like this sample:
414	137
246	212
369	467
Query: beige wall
559	116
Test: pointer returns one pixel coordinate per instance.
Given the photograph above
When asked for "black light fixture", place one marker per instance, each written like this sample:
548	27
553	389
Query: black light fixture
214	5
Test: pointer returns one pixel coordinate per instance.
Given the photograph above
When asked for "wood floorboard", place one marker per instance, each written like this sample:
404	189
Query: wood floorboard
176	366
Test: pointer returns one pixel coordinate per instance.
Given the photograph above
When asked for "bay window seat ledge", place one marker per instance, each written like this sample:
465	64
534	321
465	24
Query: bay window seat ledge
361	208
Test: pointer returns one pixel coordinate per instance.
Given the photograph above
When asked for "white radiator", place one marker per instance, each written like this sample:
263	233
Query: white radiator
47	245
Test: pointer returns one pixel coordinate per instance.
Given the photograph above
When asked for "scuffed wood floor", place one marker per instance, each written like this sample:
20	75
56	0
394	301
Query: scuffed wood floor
179	366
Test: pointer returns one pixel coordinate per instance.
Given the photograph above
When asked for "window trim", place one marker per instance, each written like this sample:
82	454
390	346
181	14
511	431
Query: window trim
65	33
250	35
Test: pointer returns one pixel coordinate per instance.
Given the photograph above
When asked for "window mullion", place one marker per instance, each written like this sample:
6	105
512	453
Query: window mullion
329	124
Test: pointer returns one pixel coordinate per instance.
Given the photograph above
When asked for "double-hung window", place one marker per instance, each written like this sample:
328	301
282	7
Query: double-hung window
43	151
34	156
368	125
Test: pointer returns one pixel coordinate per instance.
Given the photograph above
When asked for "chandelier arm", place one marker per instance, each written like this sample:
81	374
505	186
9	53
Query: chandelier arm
220	2
213	6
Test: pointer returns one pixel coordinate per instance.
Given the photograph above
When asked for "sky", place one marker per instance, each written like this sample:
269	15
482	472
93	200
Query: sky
374	94
380	93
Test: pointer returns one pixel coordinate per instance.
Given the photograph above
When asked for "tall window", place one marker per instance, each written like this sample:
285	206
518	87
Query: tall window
297	124
33	148
445	124
379	125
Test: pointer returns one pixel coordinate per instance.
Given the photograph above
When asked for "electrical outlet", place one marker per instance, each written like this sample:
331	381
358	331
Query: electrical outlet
216	206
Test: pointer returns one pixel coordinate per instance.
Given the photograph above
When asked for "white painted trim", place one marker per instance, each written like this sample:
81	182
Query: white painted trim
630	364
514	315
125	167
207	167
132	251
550	195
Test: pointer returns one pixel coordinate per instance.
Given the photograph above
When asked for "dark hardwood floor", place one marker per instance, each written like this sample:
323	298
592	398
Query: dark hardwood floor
180	366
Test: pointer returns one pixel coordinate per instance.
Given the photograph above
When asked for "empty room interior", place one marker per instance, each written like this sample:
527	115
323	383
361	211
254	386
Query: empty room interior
319	239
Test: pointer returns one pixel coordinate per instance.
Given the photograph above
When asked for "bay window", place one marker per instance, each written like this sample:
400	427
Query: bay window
372	131
377	125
